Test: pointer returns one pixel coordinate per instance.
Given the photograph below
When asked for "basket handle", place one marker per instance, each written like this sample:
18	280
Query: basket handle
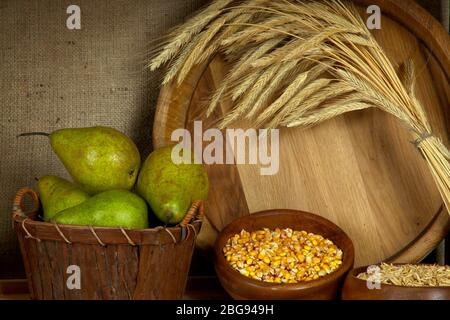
18	208
196	211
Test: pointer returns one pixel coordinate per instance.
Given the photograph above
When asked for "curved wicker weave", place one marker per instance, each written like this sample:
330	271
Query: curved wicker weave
115	263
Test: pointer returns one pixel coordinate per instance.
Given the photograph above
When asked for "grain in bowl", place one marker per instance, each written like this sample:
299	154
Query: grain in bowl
282	255
409	275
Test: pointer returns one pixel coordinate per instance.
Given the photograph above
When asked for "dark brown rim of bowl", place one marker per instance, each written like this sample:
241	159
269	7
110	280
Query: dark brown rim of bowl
359	270
348	257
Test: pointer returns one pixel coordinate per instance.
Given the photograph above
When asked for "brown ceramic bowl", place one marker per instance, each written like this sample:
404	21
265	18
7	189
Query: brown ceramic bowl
357	289
242	287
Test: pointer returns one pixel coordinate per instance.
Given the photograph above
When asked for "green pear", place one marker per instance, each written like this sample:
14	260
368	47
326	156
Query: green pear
113	208
58	194
97	158
170	188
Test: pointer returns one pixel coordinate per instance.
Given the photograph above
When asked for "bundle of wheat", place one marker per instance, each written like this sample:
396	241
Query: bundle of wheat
298	63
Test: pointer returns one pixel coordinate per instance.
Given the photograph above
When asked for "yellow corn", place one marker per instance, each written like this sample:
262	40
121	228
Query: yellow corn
282	255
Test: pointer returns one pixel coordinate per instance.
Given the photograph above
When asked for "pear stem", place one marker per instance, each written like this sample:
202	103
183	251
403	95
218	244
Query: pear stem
26	134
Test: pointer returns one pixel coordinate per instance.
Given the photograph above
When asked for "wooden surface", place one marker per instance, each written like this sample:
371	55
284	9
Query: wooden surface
359	170
198	288
325	288
356	289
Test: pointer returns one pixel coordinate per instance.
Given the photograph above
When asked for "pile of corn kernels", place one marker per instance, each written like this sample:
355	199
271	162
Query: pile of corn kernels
282	256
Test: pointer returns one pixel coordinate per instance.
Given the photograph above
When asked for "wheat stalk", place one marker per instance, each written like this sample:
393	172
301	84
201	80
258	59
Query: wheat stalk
238	70
315	100
284	73
329	113
310	89
299	63
183	34
285	96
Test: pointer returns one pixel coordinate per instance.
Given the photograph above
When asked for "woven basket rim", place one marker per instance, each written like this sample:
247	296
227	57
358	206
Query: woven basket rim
28	226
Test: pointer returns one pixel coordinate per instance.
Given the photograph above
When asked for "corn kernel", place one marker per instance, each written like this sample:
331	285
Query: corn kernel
276	263
244	272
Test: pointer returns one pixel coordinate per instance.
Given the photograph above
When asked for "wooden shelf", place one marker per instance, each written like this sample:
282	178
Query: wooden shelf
198	288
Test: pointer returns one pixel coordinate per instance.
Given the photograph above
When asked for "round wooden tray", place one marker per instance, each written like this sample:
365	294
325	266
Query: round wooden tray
359	170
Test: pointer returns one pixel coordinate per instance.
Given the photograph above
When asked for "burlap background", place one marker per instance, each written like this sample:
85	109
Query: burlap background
52	77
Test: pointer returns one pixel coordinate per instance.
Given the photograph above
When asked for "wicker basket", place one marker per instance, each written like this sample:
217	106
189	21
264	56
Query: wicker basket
114	263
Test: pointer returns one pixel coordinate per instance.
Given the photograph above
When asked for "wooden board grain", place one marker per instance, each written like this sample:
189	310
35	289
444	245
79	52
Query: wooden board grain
359	170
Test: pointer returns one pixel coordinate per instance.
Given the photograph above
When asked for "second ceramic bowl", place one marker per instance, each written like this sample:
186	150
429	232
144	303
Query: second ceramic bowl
357	289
